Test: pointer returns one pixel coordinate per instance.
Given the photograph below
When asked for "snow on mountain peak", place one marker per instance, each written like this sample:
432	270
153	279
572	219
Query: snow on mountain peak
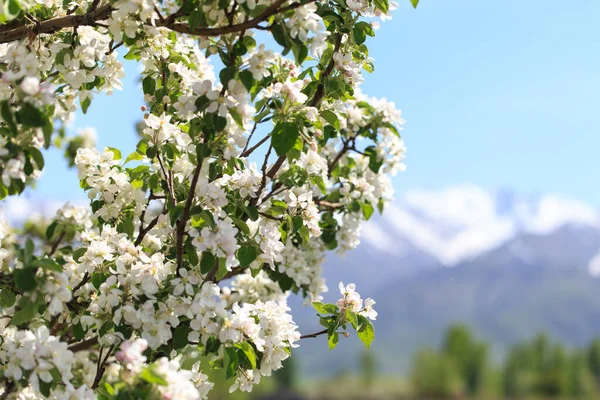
460	222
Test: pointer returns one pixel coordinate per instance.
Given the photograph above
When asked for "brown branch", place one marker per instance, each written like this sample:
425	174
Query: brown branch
55	245
320	92
328	204
347	146
101	366
9	386
314	335
84	345
144	230
186	214
86	278
246	153
92	17
56	24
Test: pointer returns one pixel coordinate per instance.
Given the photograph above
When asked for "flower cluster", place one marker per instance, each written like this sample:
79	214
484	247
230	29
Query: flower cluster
35	355
251	165
107	183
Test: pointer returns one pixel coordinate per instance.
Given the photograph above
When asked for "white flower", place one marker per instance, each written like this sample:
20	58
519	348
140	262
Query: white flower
351	299
30	85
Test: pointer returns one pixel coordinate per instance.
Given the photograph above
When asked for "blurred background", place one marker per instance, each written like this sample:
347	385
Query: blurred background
483	268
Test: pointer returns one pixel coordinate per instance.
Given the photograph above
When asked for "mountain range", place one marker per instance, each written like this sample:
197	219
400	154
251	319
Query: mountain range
506	265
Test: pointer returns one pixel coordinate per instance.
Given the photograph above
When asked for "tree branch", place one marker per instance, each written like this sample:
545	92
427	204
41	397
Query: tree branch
55	244
314	335
56	24
92	17
84	345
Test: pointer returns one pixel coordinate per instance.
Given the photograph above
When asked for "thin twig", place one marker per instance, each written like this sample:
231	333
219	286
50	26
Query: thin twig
314	335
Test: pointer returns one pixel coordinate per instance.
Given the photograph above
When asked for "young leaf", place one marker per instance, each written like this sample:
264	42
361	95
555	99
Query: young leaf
152	377
248	352
7	298
25	279
332	340
246	254
284	137
207	263
366	332
25	314
382	5
325	308
233	362
30	116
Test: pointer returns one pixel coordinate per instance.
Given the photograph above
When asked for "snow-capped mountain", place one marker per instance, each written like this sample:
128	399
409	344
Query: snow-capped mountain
461	222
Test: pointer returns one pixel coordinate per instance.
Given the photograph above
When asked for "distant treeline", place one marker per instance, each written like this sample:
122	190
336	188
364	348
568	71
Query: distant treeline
537	368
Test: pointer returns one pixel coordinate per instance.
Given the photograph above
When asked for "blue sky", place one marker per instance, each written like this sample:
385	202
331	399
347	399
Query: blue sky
501	94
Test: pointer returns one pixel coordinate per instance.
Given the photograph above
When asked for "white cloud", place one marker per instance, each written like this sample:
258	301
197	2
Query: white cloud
594	266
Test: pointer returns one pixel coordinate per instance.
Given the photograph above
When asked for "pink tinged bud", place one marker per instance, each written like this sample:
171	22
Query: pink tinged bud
144	108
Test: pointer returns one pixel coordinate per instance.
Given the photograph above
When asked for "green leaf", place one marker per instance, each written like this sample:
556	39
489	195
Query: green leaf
109	389
195	19
180	336
135	156
284	137
37	157
149	85
332	339
30	116
248	352
85	104
25	314
150	376
247	78
207	263
331	118
78	253
318	181
415	3
232	363
126	226
222	271
252	212
98	279
78	332
366	332
325	308
359	35
48	264
246	254
304	234
367	210
25	279
8	117
176	213
366	27
382	5
116	152
28	254
352	317
7	298
242	226
45	388
192	254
